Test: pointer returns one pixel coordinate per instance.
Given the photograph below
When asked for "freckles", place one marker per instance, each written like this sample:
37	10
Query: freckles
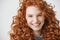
41	19
28	20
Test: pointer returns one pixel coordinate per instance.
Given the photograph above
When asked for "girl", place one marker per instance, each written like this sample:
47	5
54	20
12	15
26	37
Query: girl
35	20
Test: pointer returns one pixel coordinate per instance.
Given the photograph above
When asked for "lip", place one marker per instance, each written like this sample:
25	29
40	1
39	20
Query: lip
36	24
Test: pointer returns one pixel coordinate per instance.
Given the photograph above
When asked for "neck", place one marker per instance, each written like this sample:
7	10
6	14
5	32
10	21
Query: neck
37	33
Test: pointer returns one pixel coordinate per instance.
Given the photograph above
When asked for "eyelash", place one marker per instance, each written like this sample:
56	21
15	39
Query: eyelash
30	16
39	15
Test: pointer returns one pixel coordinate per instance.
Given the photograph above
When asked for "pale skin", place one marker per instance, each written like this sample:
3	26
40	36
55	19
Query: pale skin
35	19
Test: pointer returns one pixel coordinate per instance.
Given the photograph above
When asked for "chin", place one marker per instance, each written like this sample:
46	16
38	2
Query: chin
36	29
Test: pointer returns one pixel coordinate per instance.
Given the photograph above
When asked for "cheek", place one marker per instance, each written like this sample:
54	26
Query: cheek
28	20
41	19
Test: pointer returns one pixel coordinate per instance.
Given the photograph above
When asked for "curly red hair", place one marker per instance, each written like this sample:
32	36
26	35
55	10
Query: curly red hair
21	31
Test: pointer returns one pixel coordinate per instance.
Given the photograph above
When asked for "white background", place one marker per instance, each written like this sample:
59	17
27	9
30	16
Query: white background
8	8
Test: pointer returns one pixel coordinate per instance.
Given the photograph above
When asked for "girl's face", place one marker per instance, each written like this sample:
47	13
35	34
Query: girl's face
34	17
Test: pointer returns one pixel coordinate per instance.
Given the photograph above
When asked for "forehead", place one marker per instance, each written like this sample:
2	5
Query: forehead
32	9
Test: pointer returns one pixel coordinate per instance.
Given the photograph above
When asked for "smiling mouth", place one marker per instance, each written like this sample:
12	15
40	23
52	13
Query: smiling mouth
36	24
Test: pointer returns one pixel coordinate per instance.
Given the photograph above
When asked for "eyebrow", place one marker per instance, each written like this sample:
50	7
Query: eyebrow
40	13
29	14
37	14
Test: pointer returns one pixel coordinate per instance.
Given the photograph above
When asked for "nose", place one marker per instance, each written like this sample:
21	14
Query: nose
35	20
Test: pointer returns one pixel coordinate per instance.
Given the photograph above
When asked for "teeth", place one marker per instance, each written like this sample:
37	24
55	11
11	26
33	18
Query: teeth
36	24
